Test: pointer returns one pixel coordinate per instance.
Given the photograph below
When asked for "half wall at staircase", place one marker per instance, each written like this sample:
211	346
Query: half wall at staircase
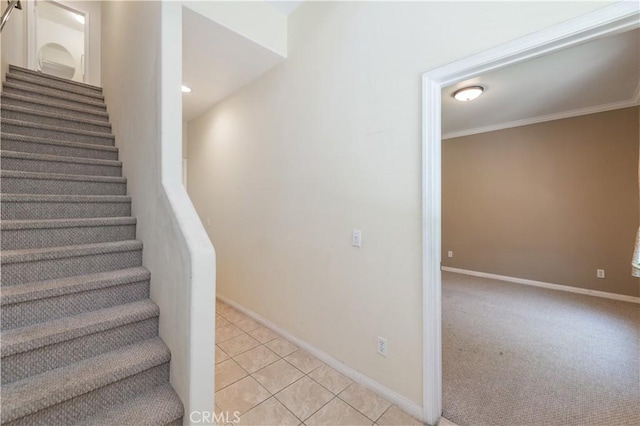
143	91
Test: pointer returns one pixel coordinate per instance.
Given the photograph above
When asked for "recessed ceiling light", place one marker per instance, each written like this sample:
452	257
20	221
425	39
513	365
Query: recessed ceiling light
186	89
80	18
467	94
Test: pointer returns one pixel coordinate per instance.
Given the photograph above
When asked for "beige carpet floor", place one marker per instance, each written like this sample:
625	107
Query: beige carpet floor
515	355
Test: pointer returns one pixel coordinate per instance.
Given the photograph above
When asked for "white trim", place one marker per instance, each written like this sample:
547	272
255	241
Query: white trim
392	396
543	118
32	30
87	62
636	95
613	19
184	173
431	252
543	284
31	34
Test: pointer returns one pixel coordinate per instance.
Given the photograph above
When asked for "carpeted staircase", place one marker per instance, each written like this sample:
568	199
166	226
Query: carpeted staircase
79	340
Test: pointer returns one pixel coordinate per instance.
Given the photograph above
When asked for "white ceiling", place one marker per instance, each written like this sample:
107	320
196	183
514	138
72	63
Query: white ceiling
596	76
217	62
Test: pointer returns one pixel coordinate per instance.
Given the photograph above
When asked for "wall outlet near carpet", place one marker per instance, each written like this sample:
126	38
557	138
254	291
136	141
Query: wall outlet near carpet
600	273
450	253
382	346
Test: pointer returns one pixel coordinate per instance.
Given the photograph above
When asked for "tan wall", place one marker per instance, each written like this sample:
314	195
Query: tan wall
328	141
551	202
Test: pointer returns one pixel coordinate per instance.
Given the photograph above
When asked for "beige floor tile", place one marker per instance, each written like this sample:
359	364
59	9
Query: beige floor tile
337	413
263	334
330	379
365	401
304	397
303	361
270	413
277	376
220	355
228	372
281	346
256	358
396	417
445	422
221	322
233	315
239	344
247	324
223	308
241	396
227	332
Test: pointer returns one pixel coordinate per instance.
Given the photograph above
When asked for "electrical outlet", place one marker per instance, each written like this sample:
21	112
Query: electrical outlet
600	273
208	222
450	253
356	238
382	346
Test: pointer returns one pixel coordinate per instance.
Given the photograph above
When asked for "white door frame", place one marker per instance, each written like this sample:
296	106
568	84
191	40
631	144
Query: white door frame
613	19
32	47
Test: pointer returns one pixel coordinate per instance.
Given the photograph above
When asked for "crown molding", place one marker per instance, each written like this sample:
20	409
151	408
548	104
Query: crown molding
543	118
614	19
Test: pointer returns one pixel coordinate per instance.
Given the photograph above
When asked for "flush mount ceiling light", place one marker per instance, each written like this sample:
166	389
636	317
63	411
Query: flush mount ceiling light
80	19
467	94
186	89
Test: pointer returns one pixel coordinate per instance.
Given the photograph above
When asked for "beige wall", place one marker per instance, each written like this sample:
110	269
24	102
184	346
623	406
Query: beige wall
329	141
550	202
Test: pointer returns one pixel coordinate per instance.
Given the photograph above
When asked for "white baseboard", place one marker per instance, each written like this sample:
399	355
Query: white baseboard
390	395
542	284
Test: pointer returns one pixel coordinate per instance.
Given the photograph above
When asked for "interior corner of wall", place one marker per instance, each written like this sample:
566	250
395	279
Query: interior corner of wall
256	21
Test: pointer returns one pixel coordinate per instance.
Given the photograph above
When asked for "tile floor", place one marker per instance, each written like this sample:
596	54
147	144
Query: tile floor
272	382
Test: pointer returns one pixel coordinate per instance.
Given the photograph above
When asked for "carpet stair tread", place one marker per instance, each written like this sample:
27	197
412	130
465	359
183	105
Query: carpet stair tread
35	336
38	392
40	233
7	225
70	144
31	125
100	116
58	158
76	99
59	176
59	164
49	253
69	285
69	118
51	84
159	406
26	206
15	68
60	198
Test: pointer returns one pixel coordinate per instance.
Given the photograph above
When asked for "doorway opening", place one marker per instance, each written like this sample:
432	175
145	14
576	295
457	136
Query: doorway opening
614	19
60	40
